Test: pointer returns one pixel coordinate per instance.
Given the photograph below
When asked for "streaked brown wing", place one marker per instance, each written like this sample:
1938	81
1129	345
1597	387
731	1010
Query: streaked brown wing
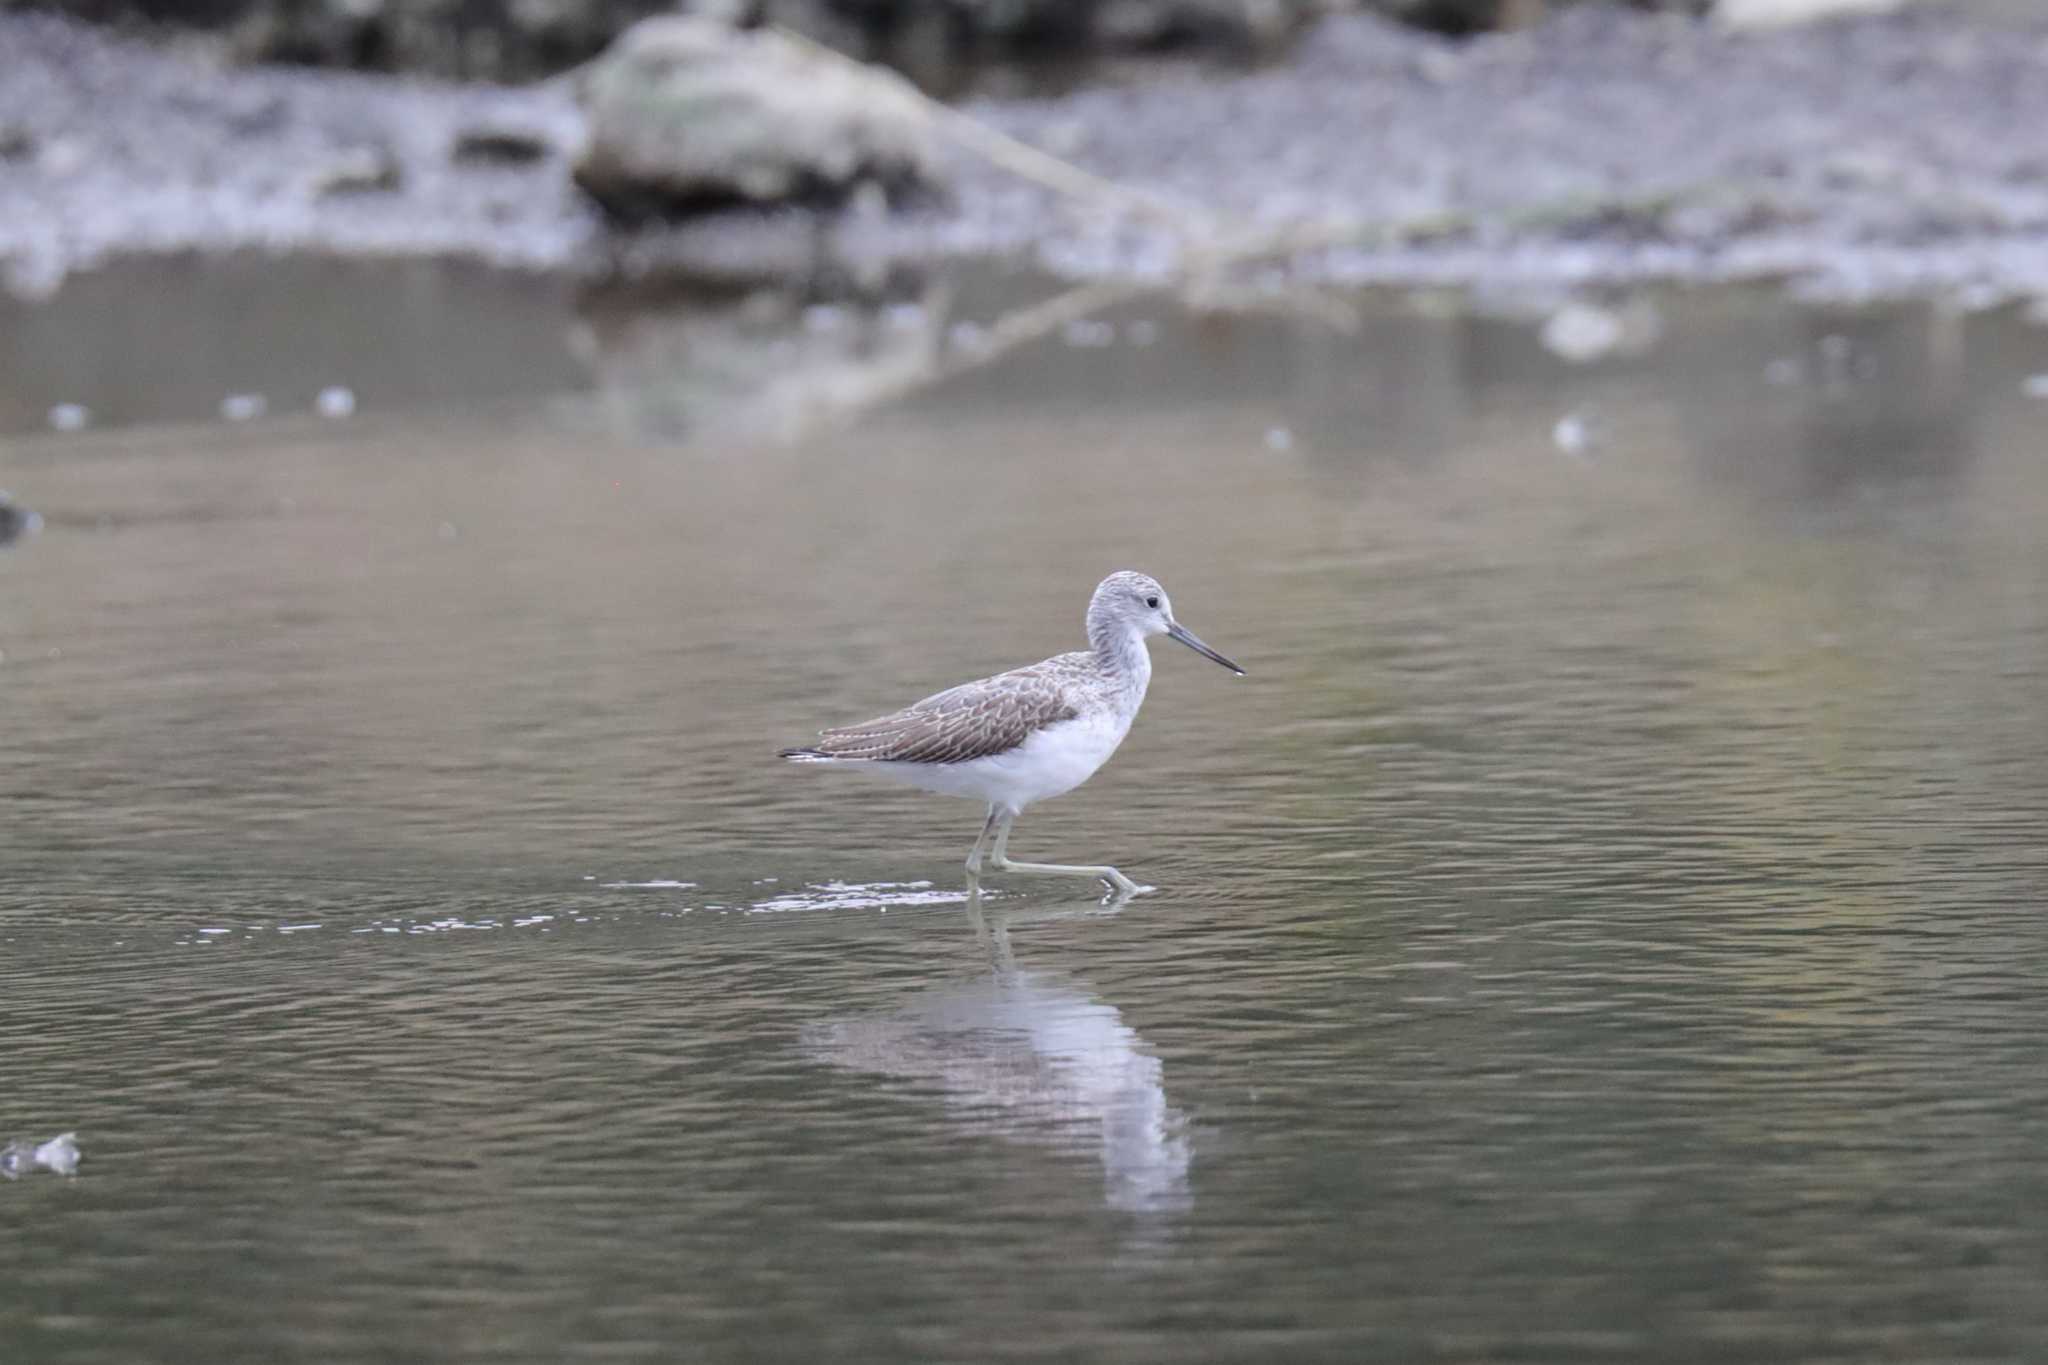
973	720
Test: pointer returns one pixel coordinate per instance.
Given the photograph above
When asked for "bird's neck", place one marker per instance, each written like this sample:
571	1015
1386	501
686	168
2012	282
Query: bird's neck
1121	652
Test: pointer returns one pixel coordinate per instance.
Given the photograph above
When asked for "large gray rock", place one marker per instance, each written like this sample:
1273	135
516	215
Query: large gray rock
687	114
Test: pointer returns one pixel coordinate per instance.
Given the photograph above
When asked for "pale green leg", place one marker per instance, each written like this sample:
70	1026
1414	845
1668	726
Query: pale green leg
1000	861
974	858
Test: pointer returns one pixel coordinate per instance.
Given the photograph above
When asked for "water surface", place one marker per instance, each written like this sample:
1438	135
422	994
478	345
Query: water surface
1605	925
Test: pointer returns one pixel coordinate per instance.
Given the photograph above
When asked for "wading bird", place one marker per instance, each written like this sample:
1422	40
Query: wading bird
1029	734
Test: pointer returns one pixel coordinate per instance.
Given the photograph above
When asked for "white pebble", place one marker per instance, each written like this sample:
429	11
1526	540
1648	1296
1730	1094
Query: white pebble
335	401
59	1154
2035	386
1581	332
70	417
1572	435
243	407
1279	439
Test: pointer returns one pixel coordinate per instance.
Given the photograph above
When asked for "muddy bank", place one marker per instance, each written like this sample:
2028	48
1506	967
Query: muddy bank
1897	154
115	148
1872	156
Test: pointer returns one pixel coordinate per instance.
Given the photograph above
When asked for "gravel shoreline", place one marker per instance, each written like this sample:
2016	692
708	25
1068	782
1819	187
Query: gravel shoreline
1904	154
123	149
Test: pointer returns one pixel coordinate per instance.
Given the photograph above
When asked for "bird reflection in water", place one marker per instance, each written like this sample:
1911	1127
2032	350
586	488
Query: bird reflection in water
1032	1058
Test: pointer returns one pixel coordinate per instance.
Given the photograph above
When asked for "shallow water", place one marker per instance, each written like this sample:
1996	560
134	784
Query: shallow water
1605	925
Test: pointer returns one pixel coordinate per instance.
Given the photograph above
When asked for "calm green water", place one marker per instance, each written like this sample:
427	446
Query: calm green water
1607	924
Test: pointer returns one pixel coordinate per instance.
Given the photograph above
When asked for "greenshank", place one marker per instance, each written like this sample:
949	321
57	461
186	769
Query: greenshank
1029	734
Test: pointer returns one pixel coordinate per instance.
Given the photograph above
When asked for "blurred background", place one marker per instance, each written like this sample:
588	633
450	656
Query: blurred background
449	448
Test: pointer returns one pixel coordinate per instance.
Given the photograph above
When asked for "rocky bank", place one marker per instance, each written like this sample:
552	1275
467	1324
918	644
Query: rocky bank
941	42
1895	153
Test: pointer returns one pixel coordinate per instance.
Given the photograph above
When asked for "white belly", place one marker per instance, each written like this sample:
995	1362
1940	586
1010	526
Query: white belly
1054	760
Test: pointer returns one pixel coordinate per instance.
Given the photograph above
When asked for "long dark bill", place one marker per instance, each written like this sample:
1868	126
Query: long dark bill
1187	637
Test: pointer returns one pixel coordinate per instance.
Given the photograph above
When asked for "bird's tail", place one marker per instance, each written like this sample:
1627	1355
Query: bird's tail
805	755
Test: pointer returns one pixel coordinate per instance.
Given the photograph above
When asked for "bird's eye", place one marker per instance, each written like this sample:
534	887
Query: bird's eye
1151	601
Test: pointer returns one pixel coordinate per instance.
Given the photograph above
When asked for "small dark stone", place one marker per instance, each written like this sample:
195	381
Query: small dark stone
16	144
16	521
499	147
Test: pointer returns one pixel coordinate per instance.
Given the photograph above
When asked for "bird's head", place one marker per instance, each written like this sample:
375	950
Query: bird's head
1134	603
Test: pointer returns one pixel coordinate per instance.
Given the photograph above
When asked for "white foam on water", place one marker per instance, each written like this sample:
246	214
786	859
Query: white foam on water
858	896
